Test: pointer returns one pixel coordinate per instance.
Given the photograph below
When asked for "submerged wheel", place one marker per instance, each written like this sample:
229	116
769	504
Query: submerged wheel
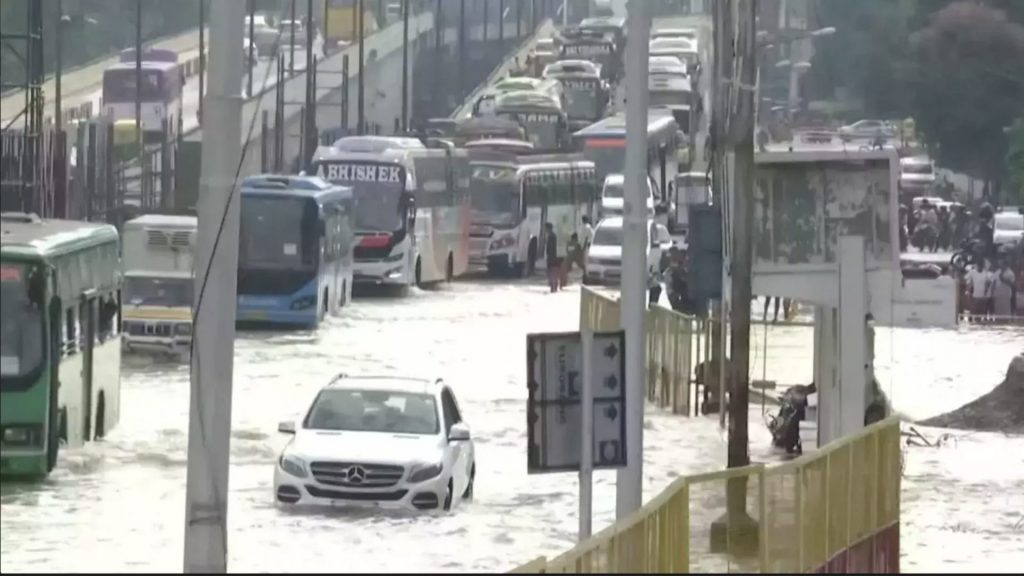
468	494
101	417
448	497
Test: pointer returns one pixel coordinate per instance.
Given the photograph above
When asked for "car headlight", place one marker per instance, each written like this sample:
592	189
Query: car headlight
395	257
424	472
183	329
293	465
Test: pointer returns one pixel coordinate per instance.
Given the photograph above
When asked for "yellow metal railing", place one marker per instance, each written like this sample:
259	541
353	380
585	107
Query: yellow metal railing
792	517
669	344
835	502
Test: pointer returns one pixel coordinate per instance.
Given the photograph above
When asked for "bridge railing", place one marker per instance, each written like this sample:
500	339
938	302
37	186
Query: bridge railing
833	510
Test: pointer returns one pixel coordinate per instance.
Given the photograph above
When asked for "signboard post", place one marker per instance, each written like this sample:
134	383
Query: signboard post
576	407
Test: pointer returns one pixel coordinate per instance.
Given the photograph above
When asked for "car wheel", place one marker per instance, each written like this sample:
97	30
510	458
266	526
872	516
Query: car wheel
468	494
448	497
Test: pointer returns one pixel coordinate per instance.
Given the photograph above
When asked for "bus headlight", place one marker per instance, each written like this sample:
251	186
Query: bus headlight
503	242
304	302
23	435
394	257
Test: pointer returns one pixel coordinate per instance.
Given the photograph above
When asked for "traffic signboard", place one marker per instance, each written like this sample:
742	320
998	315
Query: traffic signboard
554	409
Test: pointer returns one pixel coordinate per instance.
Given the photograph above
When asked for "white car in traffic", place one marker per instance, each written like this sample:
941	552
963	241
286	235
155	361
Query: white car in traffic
385	442
604	257
1008	229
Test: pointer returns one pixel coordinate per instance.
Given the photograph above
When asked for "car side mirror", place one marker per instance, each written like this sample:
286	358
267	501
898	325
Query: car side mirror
286	427
459	433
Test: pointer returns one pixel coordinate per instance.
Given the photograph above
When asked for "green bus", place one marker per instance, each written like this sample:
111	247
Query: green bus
60	349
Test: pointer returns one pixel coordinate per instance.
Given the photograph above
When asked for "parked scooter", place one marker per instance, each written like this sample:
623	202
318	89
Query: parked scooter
785	426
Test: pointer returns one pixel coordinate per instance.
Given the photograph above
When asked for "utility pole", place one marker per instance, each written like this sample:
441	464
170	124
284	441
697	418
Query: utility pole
309	127
405	65
738	531
438	64
58	49
138	78
486	2
252	44
565	13
633	303
202	59
291	39
462	48
209	437
360	97
501	23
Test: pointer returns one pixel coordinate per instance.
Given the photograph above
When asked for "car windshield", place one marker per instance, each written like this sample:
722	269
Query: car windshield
1012	222
374	411
612	190
21	326
608	236
142	291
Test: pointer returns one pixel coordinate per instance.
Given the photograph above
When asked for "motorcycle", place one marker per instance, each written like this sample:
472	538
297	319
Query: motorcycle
785	426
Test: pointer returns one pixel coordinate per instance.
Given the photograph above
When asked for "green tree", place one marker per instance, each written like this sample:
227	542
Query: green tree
966	85
1015	163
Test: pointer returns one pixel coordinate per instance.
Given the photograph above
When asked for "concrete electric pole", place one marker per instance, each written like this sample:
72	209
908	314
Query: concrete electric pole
213	310
629	482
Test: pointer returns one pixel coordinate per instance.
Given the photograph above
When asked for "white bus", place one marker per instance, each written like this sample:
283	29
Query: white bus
161	92
513	197
158	254
412	213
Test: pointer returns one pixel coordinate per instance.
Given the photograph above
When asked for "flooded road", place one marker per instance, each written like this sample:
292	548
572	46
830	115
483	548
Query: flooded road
119	505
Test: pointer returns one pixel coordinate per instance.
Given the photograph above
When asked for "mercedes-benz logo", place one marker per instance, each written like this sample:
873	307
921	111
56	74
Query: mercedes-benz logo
355	474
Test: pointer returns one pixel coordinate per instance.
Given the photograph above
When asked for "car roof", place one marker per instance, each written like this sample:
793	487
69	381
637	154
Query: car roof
388	383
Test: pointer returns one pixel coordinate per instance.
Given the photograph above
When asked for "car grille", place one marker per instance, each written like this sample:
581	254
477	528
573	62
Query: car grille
356	475
350	495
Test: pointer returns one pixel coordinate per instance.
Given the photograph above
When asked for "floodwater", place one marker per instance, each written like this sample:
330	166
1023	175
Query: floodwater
118	505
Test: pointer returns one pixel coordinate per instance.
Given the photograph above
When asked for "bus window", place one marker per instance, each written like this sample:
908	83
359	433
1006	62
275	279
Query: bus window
71	330
108	320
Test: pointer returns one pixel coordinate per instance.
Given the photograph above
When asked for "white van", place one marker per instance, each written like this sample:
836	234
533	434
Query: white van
613	196
604	258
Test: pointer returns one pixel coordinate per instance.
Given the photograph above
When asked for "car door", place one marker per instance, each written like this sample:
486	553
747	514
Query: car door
461	451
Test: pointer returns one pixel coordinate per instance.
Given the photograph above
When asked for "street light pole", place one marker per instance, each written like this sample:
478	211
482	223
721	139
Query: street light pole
361	96
212	369
202	59
291	40
405	65
58	116
138	77
633	305
252	44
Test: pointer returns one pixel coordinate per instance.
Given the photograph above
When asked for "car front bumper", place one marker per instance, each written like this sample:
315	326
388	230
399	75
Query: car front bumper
307	492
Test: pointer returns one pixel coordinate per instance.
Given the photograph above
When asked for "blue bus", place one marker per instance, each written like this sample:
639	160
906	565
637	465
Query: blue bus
296	250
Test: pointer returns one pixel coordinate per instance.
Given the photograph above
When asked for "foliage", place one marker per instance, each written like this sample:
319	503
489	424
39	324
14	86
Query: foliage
966	84
1015	163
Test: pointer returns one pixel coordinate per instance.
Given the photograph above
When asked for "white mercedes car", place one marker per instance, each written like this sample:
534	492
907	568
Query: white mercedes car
386	442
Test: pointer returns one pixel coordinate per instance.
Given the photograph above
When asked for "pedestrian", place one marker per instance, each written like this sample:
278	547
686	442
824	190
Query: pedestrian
573	255
1004	294
980	282
767	301
588	233
551	253
678	288
653	286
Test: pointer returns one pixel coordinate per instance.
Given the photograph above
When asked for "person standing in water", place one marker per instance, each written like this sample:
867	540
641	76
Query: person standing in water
554	263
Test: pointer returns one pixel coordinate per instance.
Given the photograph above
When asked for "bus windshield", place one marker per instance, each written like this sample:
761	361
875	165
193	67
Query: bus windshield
494	196
147	291
669	98
583	98
21	325
377	189
278	233
119	86
541	127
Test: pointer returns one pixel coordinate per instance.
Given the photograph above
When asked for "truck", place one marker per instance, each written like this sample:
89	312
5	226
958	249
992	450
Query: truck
158	253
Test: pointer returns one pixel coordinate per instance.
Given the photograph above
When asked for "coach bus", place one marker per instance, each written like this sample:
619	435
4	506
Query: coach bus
161	90
604	144
586	94
541	116
412	213
513	197
296	250
60	350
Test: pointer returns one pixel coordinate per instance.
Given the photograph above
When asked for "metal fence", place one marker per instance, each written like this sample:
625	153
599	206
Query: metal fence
833	510
672	343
